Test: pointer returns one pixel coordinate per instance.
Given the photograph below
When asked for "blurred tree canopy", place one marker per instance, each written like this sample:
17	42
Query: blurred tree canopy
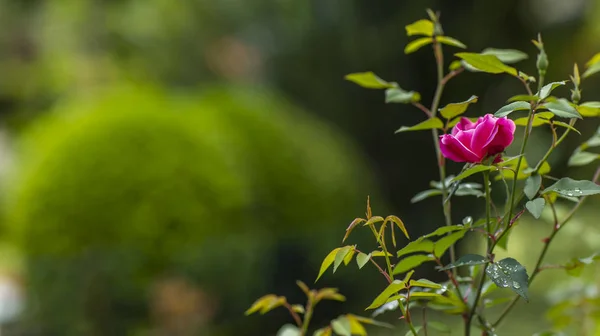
116	190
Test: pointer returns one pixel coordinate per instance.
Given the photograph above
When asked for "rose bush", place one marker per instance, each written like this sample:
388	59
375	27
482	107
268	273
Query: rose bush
476	282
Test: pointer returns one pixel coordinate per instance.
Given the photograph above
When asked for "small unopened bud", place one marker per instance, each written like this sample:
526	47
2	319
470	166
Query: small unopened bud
542	62
437	29
575	95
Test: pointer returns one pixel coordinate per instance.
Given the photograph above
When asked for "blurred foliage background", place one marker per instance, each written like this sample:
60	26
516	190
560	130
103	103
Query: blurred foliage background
164	163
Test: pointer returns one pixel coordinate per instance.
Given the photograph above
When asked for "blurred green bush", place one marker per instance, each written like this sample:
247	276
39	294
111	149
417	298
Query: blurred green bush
118	189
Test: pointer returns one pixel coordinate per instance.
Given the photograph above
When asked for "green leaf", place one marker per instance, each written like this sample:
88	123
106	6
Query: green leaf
568	187
537	121
451	41
473	170
532	185
562	108
425	125
455	65
589	109
408	275
455	109
425	284
399	223
362	259
487	63
323	332
466	260
512	164
509	273
582	158
369	80
595	59
507	56
265	304
547	89
356	328
417	44
373	220
444	243
341	326
397	95
425	194
439	326
423	245
410	262
390	290
445	229
340	256
424	295
329	259
510	108
526	98
591	70
469	189
298	308
544	169
559	315
289	330
562	124
576	265
536	206
367	320
351	227
421	27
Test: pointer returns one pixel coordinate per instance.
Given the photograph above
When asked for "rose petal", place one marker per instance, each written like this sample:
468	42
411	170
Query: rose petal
504	136
456	151
465	137
463	125
485	132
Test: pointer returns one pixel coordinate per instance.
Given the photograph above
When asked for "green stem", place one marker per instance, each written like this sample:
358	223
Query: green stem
551	149
488	225
385	252
540	81
519	160
488	205
435	104
307	316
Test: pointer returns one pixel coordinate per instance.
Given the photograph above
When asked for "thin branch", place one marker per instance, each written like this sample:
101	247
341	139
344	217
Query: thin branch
295	315
387	277
422	108
451	75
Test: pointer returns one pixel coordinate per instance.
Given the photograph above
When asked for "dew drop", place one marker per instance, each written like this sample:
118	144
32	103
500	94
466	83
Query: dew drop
467	220
569	193
578	191
516	285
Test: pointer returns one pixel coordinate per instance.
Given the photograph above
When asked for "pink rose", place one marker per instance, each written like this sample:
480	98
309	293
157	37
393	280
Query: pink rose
475	141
